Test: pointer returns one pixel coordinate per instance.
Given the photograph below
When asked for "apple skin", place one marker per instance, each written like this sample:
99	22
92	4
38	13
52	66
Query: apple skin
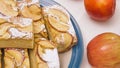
103	51
100	10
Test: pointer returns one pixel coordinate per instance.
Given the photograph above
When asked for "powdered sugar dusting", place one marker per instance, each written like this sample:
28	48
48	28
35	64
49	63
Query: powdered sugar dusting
4	17
57	7
23	3
17	34
42	27
51	57
21	21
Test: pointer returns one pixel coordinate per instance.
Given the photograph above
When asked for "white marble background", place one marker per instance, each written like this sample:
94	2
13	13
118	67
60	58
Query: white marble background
91	28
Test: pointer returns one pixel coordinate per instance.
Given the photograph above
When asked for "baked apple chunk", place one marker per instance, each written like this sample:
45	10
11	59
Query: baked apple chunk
31	9
59	27
16	32
32	12
16	58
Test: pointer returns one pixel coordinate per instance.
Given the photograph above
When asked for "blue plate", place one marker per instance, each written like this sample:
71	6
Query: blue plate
78	49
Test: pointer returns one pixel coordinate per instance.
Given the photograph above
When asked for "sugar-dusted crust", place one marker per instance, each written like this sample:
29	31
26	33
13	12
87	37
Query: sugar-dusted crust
16	58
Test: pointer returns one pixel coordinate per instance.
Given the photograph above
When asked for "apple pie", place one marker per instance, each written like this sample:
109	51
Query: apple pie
16	58
59	27
25	25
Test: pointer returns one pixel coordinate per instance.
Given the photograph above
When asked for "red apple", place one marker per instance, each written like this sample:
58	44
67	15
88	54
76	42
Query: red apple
103	51
100	10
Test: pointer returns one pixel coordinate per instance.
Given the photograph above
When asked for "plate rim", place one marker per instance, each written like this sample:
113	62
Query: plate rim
78	49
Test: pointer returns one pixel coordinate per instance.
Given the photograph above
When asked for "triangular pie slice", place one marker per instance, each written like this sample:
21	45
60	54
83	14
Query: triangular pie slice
59	27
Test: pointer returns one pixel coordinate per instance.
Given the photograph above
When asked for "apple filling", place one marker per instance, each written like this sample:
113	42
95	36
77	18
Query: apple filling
16	58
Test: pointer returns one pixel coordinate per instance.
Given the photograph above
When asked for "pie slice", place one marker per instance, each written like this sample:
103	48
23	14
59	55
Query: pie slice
60	39
16	30
16	58
59	27
44	55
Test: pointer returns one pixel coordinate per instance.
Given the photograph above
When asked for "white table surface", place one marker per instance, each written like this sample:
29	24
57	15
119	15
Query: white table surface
89	27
